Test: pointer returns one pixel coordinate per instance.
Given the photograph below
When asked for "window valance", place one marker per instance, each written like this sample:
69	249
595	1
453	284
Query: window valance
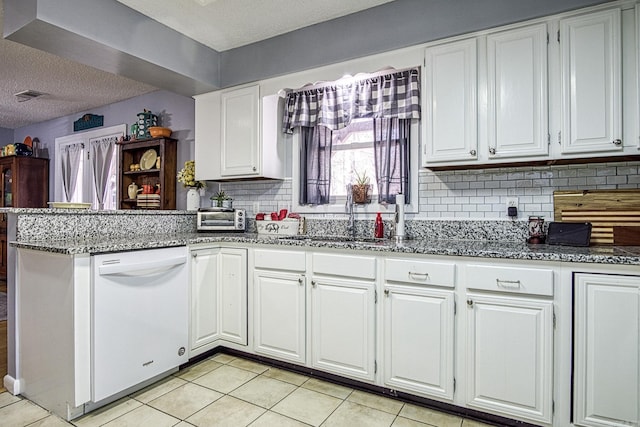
394	94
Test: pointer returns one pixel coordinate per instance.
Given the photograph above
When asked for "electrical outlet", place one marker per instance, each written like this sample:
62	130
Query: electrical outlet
512	207
256	207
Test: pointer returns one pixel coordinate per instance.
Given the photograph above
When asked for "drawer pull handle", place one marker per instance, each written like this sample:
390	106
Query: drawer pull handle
418	276
508	283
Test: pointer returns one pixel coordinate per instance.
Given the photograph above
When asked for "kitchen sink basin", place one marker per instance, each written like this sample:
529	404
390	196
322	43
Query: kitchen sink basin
339	239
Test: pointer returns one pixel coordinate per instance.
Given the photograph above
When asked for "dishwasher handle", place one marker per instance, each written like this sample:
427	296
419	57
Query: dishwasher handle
143	268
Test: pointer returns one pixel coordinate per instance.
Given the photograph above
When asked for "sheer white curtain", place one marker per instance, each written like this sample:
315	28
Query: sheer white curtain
86	167
71	158
101	154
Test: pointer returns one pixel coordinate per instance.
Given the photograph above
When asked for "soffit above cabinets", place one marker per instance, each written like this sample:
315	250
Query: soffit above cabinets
227	24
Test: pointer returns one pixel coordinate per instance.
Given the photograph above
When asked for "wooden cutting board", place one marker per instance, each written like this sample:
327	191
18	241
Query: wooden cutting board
605	210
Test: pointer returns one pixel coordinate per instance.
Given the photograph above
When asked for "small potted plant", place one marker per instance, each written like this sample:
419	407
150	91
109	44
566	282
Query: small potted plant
360	190
221	200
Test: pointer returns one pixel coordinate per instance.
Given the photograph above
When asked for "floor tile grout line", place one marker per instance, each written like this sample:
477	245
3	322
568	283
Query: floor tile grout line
256	375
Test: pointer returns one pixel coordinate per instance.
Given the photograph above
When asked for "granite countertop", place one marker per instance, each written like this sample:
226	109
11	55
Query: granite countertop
628	255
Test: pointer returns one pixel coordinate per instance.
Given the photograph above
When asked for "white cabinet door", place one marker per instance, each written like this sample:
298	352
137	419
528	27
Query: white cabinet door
343	327
510	356
517	92
240	132
450	92
218	296
591	89
232	287
279	324
204	297
418	340
607	350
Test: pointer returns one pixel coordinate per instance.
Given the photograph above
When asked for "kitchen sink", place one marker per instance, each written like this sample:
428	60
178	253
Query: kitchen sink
339	239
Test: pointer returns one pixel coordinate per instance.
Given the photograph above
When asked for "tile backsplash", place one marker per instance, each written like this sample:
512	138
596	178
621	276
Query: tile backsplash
472	194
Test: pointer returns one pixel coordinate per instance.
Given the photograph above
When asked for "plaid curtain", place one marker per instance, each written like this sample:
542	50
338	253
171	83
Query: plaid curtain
391	150
396	94
315	157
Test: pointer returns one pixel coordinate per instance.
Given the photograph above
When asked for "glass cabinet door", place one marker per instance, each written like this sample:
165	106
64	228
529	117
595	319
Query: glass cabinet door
7	189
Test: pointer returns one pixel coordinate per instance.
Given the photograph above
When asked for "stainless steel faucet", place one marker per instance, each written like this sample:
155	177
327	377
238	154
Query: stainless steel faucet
351	224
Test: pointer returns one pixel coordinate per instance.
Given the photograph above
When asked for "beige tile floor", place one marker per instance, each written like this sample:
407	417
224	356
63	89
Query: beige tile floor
228	391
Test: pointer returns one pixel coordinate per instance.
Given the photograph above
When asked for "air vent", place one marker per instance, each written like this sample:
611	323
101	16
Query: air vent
27	95
204	2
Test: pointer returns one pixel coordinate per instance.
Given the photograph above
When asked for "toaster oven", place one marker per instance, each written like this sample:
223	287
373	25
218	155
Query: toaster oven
221	219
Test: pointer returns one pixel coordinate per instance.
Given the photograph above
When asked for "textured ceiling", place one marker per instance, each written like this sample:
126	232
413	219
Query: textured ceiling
226	24
69	87
72	88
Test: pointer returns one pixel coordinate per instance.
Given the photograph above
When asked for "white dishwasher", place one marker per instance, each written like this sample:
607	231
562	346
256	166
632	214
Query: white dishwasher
139	317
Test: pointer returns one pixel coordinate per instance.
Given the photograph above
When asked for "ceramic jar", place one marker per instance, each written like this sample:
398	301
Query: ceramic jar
193	199
132	190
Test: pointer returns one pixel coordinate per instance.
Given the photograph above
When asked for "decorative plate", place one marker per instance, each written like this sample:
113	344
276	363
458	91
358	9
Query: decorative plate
148	159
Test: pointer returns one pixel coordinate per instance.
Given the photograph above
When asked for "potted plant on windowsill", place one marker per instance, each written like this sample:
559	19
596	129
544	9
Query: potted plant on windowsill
361	189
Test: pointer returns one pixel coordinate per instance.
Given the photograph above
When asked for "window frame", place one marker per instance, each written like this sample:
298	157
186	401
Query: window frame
339	207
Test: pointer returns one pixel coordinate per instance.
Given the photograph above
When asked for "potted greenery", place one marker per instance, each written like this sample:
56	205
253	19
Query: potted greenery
221	200
360	190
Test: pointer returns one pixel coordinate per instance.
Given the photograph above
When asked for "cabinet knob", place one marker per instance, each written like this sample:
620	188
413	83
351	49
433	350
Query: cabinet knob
470	303
386	292
254	169
300	280
472	152
492	151
313	283
617	142
195	255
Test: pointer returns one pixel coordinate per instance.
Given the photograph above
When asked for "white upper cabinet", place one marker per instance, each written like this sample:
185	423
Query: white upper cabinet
486	98
238	135
591	68
239	127
548	90
451	118
517	92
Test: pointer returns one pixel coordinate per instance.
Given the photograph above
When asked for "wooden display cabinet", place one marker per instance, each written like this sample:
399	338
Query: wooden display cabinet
131	153
24	183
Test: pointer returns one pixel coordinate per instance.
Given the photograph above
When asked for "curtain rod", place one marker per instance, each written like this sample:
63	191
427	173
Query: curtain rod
359	76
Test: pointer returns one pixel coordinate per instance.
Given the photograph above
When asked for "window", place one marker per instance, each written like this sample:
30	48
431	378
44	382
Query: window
85	162
354	148
351	153
351	127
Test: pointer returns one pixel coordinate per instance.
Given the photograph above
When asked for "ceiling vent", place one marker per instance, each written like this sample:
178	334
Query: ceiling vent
204	2
27	95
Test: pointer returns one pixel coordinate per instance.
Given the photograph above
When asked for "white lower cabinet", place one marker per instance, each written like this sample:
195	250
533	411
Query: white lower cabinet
606	350
418	340
510	341
218	297
418	327
279	321
343	315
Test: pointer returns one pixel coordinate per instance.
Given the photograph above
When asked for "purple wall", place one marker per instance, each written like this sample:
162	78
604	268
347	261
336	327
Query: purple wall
6	137
176	112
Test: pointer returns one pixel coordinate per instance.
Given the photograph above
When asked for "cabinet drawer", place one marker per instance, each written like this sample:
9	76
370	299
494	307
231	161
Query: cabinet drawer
420	272
519	280
279	260
345	265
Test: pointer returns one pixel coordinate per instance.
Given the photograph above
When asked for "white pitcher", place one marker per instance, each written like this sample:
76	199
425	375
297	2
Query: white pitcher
132	190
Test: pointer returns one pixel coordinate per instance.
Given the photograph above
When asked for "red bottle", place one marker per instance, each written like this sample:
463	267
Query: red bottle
379	227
